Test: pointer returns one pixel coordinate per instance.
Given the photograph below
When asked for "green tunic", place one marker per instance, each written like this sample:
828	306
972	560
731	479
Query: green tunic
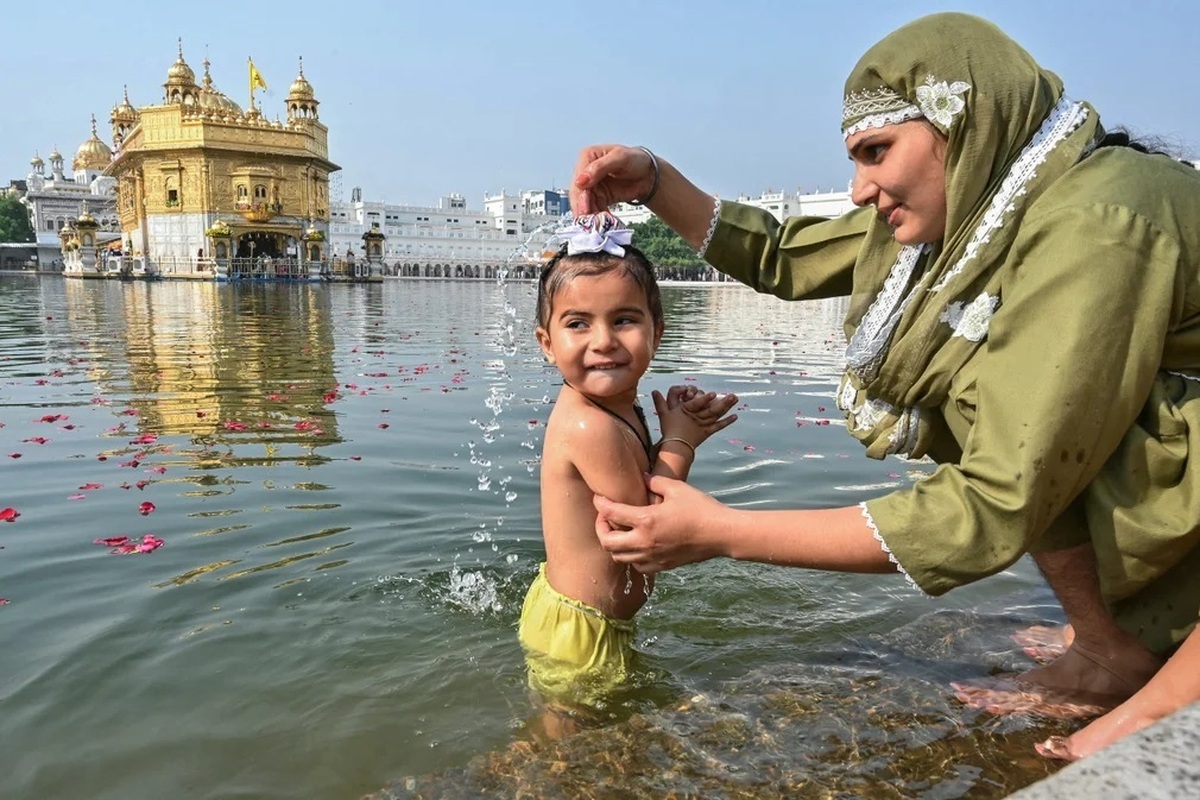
1073	419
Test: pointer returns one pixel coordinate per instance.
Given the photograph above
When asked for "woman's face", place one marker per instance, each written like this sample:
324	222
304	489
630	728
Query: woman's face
901	170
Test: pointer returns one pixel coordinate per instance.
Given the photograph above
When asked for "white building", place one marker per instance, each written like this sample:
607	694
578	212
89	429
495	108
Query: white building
56	201
816	204
781	205
448	239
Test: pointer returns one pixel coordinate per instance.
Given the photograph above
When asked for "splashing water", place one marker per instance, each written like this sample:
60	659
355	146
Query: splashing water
473	591
491	477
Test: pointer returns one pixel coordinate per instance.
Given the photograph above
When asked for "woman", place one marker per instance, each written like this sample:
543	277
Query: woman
1024	309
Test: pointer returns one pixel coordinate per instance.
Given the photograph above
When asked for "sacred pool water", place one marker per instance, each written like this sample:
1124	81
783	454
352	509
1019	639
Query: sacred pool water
273	540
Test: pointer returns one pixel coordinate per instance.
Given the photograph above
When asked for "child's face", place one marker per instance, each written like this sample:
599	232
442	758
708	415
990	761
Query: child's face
601	335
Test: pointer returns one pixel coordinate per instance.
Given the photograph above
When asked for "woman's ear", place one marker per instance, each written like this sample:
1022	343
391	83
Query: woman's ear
543	339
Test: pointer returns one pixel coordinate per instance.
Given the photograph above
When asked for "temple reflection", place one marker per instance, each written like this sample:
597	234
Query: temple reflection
200	361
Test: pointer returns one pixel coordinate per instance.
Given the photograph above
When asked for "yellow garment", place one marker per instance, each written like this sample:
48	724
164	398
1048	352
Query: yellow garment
575	653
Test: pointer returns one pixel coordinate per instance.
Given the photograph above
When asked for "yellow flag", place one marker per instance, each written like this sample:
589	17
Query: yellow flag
256	78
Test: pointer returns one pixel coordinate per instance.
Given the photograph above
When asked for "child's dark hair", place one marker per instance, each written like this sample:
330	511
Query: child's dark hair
562	269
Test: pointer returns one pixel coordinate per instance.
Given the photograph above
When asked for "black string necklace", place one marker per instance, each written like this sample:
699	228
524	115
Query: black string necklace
644	441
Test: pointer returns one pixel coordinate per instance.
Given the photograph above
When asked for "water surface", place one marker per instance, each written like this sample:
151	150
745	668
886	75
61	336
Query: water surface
344	479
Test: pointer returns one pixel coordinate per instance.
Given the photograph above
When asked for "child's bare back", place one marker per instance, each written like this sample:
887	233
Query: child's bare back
587	452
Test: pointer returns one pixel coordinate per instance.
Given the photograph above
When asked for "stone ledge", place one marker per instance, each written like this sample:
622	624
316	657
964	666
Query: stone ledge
1154	764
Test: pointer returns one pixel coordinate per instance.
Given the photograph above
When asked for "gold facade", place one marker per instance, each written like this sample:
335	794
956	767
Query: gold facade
198	157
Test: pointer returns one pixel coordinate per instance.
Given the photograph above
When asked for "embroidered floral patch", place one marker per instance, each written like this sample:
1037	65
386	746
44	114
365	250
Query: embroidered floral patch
940	101
971	321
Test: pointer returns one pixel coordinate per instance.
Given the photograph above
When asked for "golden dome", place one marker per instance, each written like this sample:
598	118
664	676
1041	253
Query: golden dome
124	110
180	72
55	155
301	89
36	161
212	100
215	101
92	154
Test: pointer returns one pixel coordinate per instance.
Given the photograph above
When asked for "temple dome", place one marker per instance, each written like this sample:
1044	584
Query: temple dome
124	110
211	99
92	154
300	89
180	74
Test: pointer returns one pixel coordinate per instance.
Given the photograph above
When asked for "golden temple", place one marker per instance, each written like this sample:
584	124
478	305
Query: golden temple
206	189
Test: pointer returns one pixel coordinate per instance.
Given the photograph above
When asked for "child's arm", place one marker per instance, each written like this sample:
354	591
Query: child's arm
605	457
687	418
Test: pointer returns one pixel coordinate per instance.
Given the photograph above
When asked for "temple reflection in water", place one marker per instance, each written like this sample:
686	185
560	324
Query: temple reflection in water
199	360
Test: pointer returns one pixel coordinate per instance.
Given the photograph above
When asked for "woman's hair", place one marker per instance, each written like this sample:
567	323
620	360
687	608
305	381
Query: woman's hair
1151	145
562	269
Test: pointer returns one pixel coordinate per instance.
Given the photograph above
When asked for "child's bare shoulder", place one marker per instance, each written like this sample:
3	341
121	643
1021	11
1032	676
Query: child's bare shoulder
577	424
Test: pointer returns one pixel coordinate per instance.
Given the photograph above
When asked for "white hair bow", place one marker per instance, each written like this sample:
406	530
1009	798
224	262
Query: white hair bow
595	233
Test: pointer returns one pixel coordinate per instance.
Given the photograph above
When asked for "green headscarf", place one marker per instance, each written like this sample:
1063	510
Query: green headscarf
918	313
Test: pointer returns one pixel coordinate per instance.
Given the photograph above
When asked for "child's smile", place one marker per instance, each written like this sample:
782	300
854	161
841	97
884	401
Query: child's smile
601	335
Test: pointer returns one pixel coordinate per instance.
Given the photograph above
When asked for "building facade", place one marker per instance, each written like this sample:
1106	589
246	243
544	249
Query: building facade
781	205
57	200
448	239
206	189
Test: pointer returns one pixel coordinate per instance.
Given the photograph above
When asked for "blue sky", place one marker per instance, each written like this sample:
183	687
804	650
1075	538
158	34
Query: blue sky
427	98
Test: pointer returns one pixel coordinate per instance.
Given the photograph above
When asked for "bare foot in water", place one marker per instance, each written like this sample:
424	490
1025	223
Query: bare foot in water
1081	683
1044	643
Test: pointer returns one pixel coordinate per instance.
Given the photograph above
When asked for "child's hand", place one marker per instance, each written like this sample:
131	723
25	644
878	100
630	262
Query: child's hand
692	415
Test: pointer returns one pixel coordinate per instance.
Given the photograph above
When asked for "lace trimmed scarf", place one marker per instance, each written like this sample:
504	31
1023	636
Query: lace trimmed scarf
919	312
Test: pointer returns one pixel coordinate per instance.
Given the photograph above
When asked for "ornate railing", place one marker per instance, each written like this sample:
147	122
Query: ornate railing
266	268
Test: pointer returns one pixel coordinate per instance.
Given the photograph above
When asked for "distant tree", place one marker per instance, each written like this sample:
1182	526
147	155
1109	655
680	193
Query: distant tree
14	221
663	246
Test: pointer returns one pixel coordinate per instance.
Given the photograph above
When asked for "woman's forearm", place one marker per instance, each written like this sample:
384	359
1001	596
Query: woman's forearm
682	205
1174	686
829	539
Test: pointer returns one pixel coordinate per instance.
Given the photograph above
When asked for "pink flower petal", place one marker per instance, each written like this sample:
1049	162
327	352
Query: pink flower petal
145	508
112	541
9	514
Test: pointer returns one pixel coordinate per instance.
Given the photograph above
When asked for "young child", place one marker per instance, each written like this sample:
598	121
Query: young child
600	321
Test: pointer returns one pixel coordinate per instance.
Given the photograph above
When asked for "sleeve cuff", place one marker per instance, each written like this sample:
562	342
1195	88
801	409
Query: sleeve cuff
870	520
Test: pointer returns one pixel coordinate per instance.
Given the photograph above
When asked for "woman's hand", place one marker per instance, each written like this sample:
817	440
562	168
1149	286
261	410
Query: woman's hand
682	529
607	174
